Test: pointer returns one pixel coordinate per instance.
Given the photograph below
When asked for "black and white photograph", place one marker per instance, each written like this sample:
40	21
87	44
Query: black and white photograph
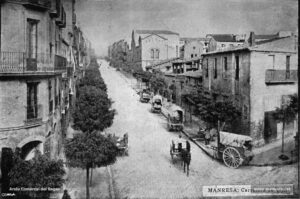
149	99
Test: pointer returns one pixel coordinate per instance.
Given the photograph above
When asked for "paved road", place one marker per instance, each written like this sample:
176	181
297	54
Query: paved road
148	170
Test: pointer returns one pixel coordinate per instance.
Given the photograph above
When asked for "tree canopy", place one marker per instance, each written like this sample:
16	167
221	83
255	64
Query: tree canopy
90	150
223	111
39	172
93	110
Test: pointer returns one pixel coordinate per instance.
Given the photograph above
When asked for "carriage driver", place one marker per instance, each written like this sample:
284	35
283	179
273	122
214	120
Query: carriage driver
178	142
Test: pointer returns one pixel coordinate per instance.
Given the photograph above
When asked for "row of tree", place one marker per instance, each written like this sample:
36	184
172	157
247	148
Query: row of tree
92	114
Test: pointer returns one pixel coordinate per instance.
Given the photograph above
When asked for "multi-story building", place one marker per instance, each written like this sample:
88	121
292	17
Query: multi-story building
257	78
193	47
152	46
41	52
224	41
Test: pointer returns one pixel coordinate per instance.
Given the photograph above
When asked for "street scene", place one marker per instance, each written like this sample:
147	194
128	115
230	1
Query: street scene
103	99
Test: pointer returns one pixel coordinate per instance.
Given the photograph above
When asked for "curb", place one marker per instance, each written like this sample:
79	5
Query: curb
255	164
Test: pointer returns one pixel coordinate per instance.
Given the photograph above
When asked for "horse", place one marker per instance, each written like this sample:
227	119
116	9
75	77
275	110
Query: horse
186	158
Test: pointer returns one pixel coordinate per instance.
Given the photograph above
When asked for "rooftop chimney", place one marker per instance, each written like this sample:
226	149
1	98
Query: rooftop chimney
251	39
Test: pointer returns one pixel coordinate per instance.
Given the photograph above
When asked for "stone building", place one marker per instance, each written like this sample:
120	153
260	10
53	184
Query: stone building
152	46
193	47
38	66
257	78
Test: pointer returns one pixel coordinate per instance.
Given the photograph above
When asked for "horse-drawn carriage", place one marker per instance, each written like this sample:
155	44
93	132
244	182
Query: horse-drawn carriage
156	104
234	149
145	96
182	153
175	118
121	143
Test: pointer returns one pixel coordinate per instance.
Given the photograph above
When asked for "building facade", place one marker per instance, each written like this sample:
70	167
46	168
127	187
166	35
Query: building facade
38	66
152	46
257	78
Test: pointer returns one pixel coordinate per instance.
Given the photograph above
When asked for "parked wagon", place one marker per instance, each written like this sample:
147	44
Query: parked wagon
234	149
175	118
156	104
121	143
145	96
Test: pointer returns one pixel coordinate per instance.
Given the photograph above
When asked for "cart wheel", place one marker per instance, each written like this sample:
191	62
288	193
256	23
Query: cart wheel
232	157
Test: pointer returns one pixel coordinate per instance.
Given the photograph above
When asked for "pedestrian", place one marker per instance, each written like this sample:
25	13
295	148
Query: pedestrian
207	136
66	195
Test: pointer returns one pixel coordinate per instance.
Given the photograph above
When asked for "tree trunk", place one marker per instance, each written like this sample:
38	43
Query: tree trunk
87	183
91	180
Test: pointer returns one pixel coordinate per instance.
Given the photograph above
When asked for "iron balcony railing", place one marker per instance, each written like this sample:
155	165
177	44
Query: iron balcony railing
281	76
20	62
37	4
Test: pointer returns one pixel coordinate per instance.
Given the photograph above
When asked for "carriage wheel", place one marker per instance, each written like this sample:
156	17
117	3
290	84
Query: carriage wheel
231	157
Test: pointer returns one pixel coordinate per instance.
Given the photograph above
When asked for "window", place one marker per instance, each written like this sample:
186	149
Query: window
245	112
32	38
50	96
288	66
192	55
206	74
225	64
157	53
223	45
272	60
152	54
215	68
194	47
195	55
237	67
176	51
32	106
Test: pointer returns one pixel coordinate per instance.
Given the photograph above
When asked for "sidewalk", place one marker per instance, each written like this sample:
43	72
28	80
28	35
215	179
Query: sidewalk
267	155
102	185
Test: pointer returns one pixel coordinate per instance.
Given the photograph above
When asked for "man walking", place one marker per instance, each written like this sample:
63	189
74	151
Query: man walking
207	136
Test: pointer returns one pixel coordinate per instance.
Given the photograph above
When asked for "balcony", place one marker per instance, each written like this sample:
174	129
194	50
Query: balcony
55	11
60	63
20	63
61	21
281	76
42	5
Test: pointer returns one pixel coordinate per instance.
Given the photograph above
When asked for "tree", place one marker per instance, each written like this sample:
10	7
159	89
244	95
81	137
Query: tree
158	84
39	172
223	111
90	150
287	113
92	110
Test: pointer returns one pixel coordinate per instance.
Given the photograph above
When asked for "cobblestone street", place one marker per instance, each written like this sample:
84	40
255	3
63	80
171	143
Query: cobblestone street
148	170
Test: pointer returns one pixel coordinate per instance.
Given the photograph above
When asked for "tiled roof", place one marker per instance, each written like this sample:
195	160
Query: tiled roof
223	37
193	39
166	32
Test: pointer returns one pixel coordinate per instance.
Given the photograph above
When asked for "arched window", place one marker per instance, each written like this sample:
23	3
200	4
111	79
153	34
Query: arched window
152	53
157	53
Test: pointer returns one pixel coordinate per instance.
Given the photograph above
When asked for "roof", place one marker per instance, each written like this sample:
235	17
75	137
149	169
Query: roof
265	37
195	74
155	35
193	39
283	44
223	37
165	32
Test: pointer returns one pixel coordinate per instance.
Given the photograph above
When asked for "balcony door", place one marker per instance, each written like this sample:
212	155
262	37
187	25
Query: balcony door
32	44
32	105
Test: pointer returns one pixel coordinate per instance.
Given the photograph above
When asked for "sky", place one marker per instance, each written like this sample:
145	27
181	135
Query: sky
106	21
